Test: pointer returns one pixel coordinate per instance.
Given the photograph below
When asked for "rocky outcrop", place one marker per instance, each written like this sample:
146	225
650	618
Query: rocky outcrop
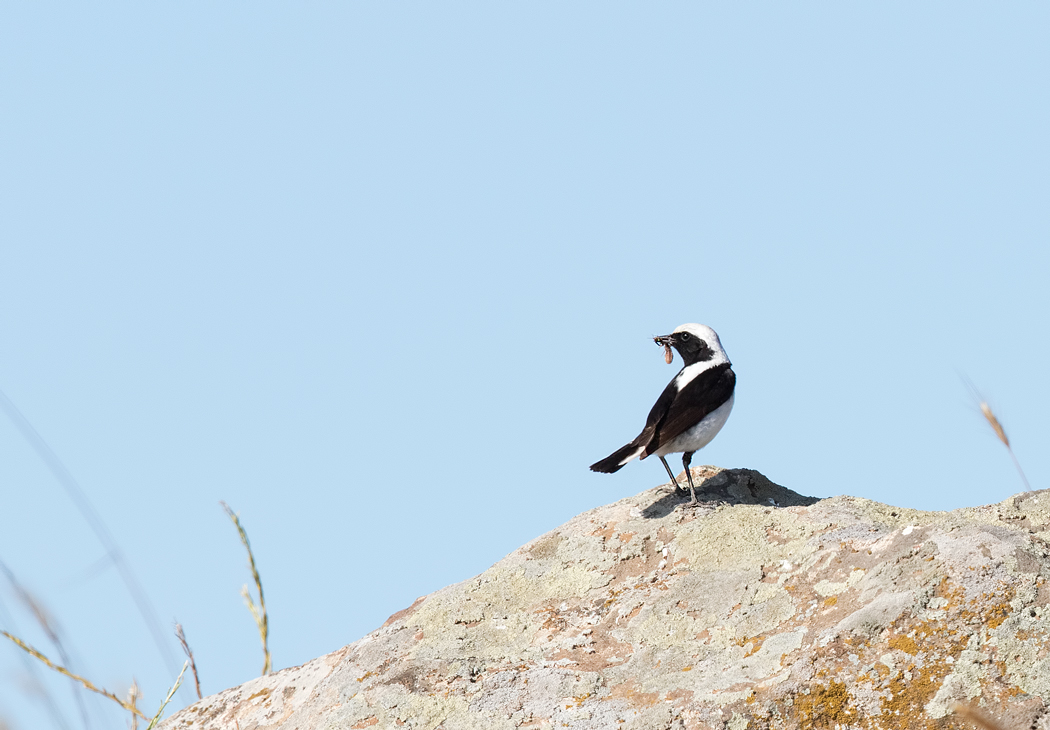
761	608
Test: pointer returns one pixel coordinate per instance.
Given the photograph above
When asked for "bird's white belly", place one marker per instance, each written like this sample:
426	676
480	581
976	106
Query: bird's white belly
701	434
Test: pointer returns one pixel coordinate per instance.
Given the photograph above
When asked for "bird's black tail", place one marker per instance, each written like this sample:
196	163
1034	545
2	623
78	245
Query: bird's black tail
617	459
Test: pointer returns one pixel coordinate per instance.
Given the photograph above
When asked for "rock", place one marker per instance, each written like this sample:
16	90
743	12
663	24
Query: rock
761	608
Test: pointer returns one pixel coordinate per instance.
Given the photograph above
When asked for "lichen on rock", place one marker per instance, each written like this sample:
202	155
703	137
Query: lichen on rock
761	608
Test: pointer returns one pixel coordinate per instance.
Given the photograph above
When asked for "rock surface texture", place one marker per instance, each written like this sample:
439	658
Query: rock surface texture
761	608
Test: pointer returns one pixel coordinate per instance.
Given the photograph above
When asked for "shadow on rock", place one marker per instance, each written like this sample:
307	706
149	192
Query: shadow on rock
728	486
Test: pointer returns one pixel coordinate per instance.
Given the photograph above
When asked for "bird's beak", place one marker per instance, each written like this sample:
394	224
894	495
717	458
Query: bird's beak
664	341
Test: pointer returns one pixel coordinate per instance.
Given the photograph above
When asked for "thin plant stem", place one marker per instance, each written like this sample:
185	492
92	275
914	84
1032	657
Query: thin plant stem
171	693
62	670
181	636
262	620
997	427
133	700
91	516
43	618
39	688
1000	432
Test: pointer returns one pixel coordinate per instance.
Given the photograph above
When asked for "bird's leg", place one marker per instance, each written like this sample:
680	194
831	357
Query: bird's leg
674	481
687	457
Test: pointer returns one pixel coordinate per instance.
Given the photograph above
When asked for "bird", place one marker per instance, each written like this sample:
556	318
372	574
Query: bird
692	409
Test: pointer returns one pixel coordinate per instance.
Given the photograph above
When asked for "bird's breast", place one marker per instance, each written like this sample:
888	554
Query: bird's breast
701	434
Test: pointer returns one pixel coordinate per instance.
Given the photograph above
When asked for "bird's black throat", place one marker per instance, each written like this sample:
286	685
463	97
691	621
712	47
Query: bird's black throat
689	346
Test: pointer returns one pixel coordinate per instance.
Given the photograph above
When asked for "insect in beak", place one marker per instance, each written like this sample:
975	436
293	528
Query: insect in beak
665	342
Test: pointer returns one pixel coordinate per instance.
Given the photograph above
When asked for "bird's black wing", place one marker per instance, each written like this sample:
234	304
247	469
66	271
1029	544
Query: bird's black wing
674	413
678	411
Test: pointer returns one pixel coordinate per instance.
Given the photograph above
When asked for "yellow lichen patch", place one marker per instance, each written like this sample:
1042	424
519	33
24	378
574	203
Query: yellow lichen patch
749	645
830	601
905	644
552	619
1011	692
756	644
825	707
613	594
995	616
909	692
953	595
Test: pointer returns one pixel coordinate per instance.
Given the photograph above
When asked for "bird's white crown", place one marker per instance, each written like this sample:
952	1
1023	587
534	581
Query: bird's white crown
708	335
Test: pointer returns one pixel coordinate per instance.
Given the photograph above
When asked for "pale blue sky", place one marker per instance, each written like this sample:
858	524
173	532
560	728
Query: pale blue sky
383	277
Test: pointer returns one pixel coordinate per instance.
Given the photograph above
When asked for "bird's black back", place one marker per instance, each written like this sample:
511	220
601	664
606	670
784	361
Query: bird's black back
677	411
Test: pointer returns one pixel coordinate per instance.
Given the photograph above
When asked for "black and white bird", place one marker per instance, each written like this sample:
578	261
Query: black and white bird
691	410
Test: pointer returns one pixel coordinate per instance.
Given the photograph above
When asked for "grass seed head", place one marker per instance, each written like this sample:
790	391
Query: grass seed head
975	716
181	636
134	694
986	410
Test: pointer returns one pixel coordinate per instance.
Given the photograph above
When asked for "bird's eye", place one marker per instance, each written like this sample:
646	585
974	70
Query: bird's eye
685	336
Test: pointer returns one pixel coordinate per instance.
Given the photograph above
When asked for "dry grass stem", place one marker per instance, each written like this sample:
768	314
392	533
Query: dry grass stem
1000	432
39	612
133	701
997	427
258	612
181	636
62	670
978	718
171	693
87	511
43	618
